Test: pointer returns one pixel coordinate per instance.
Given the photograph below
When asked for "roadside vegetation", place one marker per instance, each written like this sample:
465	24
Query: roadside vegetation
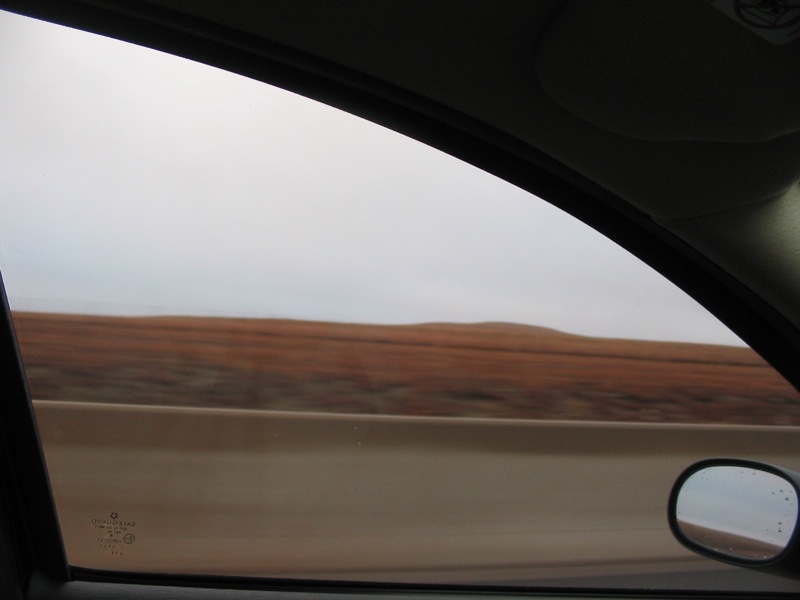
486	370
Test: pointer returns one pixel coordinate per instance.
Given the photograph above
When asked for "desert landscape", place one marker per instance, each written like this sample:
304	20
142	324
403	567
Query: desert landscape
485	370
440	453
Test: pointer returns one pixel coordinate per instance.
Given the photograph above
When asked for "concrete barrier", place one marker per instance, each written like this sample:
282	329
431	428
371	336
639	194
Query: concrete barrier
404	499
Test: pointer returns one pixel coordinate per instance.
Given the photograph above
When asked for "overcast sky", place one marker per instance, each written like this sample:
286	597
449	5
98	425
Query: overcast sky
138	183
741	501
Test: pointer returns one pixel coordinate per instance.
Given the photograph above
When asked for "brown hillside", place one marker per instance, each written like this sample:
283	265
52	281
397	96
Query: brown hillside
482	370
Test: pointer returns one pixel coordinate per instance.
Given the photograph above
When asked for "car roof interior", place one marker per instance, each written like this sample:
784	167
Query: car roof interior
669	127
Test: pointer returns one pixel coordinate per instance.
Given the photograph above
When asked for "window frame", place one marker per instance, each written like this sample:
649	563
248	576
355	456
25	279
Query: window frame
32	550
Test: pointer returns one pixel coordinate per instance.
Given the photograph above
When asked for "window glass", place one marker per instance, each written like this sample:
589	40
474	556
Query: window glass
266	338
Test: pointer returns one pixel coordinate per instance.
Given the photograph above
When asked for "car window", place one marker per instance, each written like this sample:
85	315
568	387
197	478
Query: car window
266	338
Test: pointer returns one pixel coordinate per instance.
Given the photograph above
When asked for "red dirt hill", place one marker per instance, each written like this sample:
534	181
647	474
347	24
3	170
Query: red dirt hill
480	370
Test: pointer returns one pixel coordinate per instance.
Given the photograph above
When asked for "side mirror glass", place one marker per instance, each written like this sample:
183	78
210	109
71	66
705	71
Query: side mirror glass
740	512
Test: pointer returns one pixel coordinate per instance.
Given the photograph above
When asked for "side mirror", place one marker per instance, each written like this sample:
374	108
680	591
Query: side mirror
740	512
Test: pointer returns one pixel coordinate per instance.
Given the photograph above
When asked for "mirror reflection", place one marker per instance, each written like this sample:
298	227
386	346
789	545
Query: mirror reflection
737	512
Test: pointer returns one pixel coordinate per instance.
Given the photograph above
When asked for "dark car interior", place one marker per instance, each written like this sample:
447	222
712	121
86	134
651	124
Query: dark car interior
672	128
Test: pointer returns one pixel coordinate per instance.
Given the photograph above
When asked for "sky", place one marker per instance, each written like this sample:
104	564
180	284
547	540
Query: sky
741	501
136	183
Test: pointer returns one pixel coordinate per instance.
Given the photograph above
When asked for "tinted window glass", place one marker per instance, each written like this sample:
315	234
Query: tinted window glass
266	338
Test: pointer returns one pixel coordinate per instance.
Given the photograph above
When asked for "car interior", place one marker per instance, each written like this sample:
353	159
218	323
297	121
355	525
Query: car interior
217	380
